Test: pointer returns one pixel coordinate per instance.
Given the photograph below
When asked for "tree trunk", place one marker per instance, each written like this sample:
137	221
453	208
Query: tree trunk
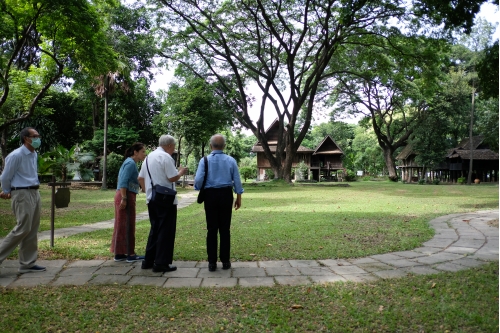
389	162
104	186
178	159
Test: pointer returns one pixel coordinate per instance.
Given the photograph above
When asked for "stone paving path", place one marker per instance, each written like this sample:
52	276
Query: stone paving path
461	241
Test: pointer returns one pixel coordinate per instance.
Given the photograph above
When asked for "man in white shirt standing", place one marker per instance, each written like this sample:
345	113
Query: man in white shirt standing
159	169
20	183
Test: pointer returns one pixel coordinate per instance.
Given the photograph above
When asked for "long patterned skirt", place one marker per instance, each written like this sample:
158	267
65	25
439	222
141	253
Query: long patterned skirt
124	225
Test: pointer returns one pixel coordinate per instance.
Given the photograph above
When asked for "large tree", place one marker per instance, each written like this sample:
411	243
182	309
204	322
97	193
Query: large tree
38	40
284	48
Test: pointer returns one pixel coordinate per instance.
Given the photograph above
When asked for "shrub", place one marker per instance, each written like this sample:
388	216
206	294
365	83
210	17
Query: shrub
113	168
461	180
436	181
350	176
269	174
248	172
301	171
421	181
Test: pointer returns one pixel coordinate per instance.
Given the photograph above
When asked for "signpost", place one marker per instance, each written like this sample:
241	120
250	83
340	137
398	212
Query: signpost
60	199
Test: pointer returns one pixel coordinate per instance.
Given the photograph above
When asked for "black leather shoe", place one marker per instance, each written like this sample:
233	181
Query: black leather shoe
226	265
212	267
164	268
146	265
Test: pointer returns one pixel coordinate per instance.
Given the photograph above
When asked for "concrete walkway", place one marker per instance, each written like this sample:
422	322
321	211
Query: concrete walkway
461	241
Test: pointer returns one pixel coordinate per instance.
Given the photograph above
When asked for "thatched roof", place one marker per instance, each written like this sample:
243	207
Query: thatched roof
405	153
476	141
477	154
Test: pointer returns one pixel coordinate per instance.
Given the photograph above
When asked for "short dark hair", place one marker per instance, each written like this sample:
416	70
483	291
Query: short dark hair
25	132
136	146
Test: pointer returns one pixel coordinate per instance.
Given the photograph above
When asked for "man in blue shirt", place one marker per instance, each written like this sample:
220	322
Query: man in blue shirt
223	177
20	183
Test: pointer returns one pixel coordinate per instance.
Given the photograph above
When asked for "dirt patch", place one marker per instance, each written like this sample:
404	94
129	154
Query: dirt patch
493	223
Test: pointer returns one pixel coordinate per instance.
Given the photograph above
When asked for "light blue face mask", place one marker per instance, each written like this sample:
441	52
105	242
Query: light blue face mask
36	142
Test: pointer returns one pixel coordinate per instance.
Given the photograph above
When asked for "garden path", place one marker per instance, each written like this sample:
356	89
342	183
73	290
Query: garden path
461	241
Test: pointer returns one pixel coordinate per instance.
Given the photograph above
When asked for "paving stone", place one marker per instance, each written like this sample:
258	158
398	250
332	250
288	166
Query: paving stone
256	282
366	260
219	273
385	257
246	264
182	282
460	250
112	263
468	262
138	271
391	274
33	282
113	270
485	256
52	263
292	280
186	264
420	270
72	271
449	267
438	257
402	263
219	282
154	281
475	243
315	270
408	254
438	242
49	272
360	277
249	272
282	271
86	263
335	262
10	263
9	272
109	279
183	273
74	280
342	270
375	267
326	279
6	281
428	250
303	263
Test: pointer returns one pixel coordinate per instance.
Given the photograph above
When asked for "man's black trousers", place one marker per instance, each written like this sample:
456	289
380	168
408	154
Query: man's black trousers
218	210
163	218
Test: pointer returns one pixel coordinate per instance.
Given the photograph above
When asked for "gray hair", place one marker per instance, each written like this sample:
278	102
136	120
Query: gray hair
218	141
166	140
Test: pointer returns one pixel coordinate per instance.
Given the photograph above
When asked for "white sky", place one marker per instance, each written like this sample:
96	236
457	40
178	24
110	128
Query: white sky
162	78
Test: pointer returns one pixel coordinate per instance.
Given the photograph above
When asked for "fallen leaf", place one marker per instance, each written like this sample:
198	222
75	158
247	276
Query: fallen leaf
297	306
252	254
433	285
381	308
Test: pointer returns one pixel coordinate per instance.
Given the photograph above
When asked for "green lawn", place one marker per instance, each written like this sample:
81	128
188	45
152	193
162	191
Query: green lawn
308	222
466	301
278	222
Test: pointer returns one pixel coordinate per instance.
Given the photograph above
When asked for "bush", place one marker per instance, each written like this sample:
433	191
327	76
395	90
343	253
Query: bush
461	180
269	174
350	176
248	172
421	181
301	171
436	181
115	162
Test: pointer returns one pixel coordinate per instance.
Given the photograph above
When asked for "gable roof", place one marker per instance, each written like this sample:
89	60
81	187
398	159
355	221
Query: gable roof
406	152
327	146
477	154
476	142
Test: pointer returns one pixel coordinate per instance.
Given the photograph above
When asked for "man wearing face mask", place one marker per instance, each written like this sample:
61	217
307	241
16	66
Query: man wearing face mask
20	183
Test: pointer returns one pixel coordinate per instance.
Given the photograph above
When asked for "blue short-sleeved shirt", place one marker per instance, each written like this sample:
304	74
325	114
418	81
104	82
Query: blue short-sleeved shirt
127	177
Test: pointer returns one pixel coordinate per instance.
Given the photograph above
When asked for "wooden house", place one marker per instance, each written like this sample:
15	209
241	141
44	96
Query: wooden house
455	164
322	162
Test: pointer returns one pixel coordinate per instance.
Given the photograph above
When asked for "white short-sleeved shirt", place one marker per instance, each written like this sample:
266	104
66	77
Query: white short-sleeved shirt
161	167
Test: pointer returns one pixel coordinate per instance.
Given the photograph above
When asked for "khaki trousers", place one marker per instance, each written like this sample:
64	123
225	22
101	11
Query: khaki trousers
26	205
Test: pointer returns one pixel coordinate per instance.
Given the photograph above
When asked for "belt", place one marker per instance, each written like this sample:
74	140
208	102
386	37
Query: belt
35	187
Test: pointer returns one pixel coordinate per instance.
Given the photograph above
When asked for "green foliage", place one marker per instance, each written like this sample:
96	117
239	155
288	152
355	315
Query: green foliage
114	164
435	181
118	140
248	172
487	69
487	121
462	180
269	174
350	176
421	181
302	171
62	161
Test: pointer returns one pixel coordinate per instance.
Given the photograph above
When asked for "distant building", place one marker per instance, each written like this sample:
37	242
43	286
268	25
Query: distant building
324	162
